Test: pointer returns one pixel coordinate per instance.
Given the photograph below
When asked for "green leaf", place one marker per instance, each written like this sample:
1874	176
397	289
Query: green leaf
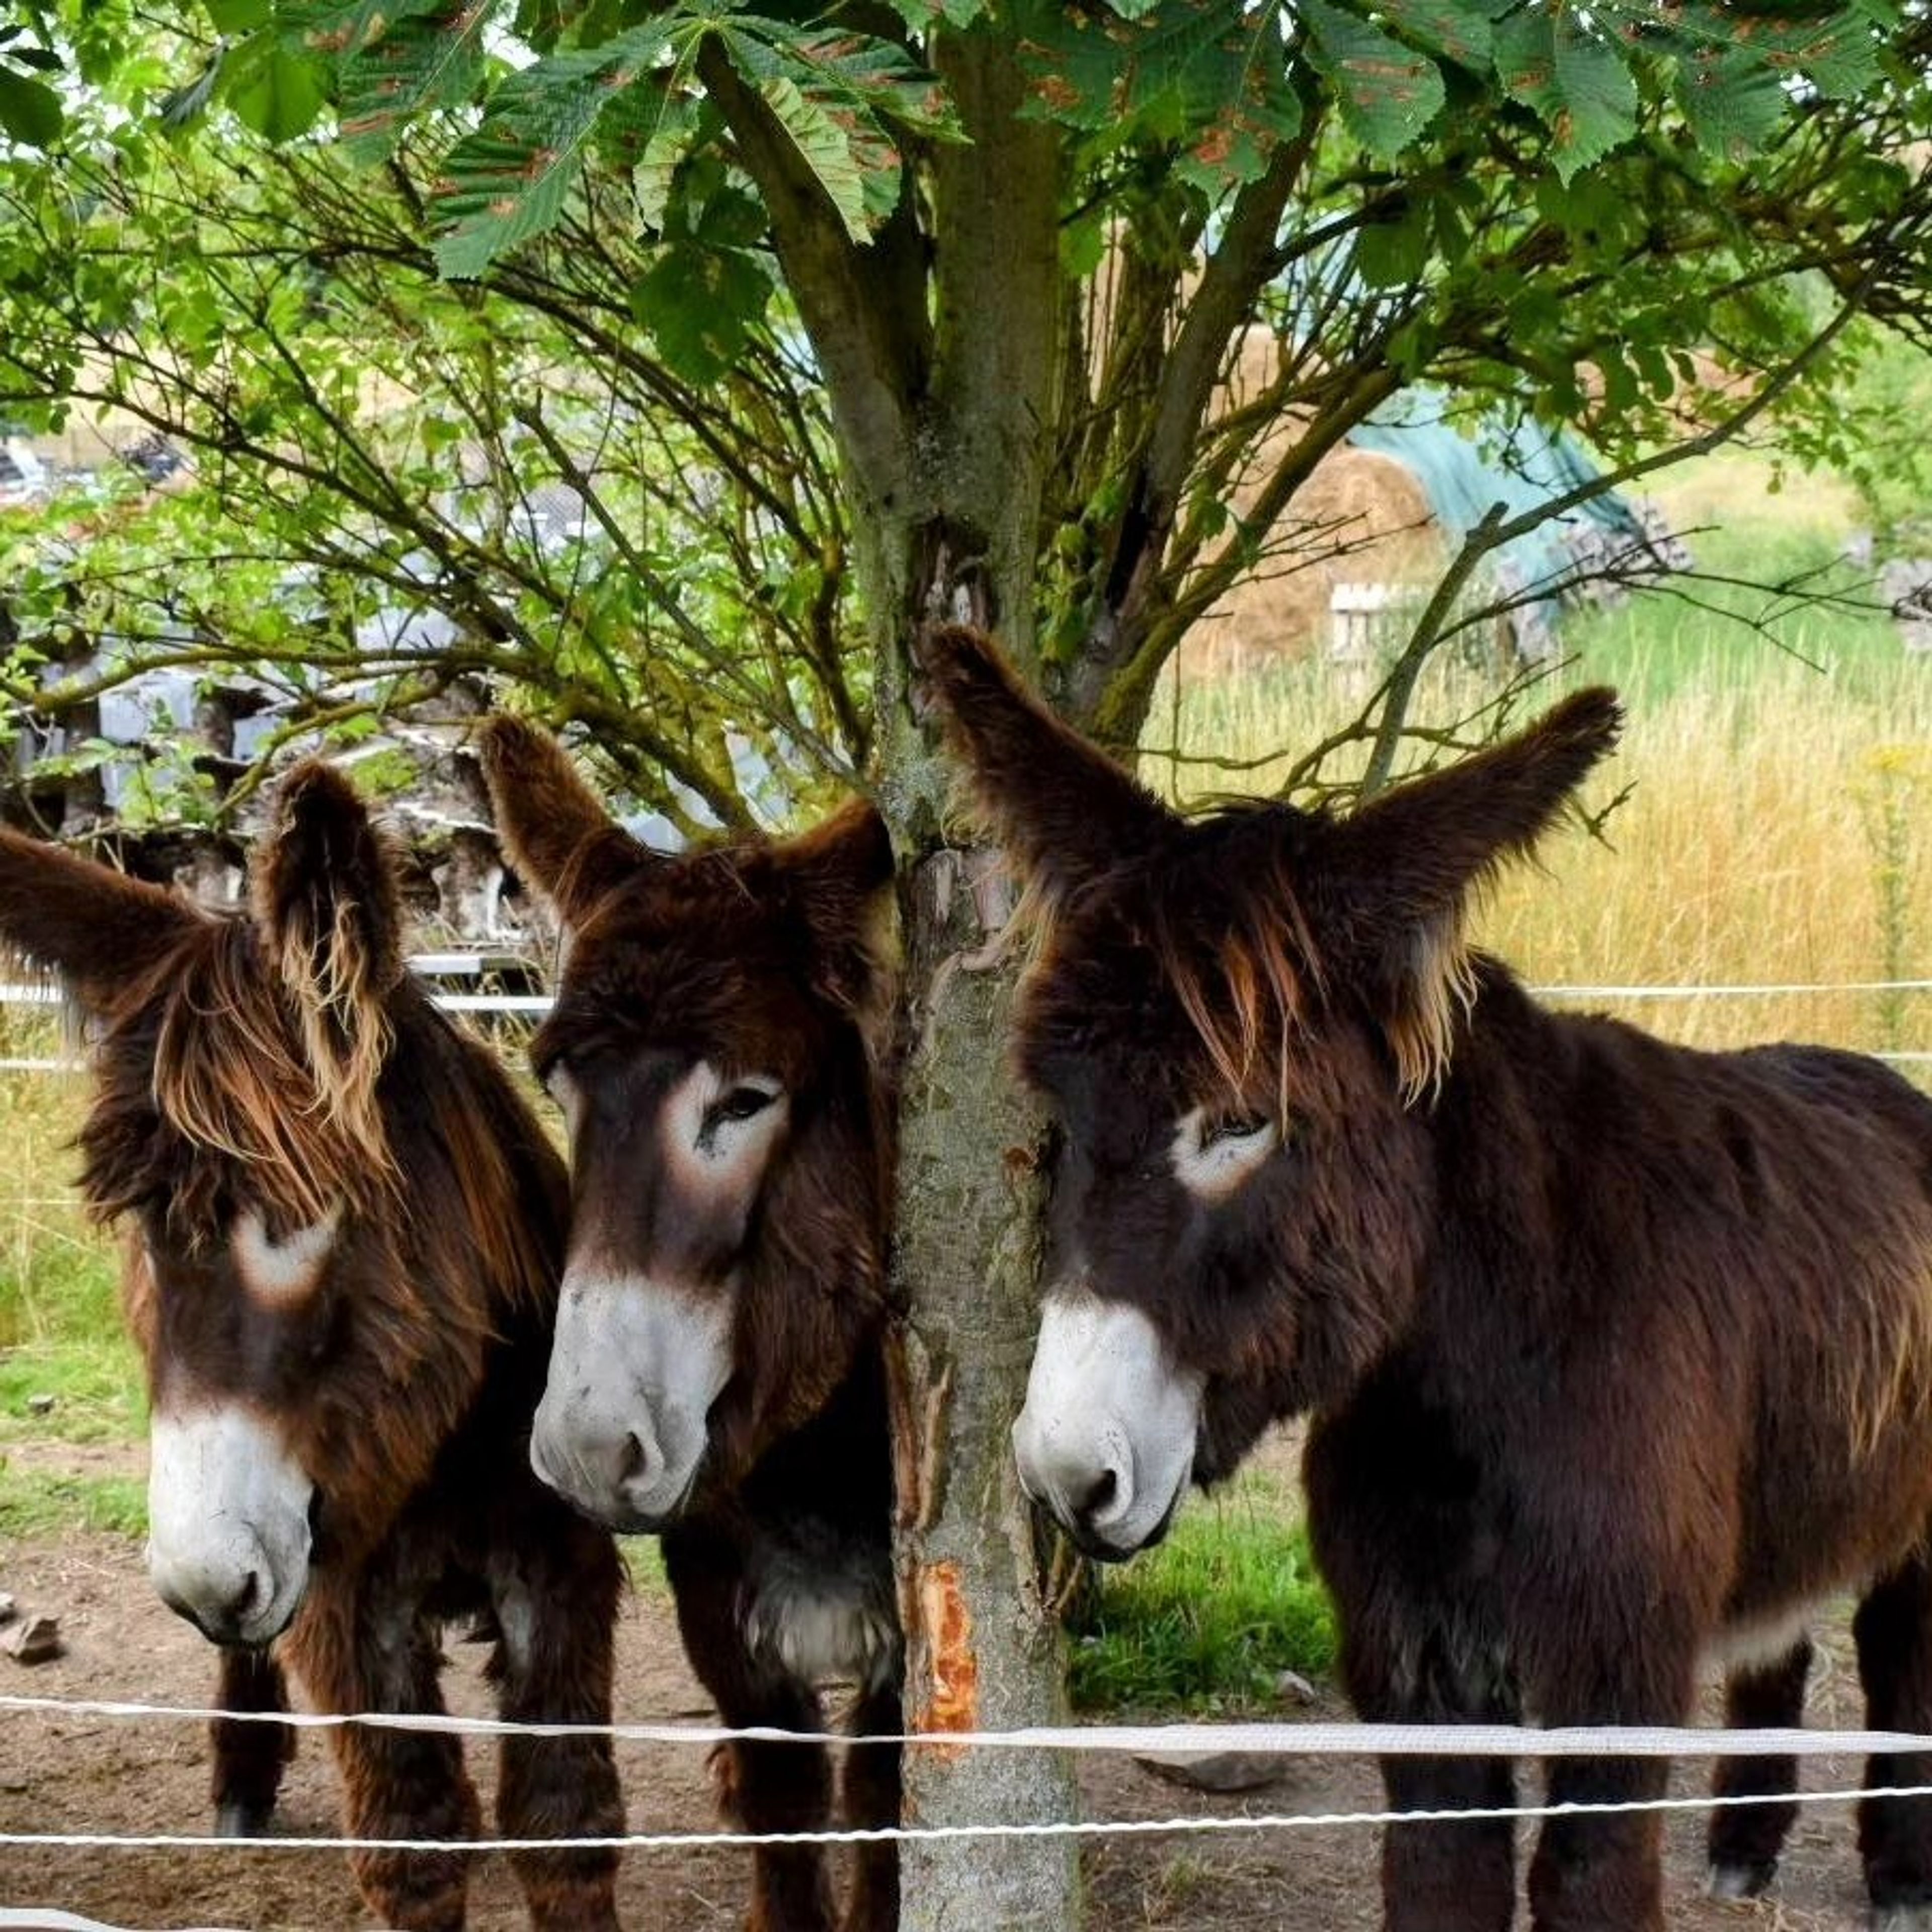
701	305
508	181
1395	254
1576	81
38	58
275	90
1732	102
30	110
1462	31
921	15
237	17
825	147
1387	93
665	143
420	61
1208	77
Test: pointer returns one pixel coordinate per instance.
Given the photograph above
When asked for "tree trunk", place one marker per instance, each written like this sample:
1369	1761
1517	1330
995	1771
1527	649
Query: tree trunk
982	1652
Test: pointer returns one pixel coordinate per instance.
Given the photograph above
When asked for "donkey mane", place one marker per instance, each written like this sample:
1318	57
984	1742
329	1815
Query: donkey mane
204	1076
204	1044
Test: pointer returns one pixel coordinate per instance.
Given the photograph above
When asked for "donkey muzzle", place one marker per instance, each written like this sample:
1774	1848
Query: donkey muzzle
228	1514
1106	1440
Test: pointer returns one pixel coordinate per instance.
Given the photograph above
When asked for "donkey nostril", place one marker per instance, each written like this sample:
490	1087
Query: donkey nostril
633	1463
244	1601
1102	1492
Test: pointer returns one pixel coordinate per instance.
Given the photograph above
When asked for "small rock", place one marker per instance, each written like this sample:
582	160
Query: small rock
9	1609
1217	1771
1292	1688
41	1405
34	1640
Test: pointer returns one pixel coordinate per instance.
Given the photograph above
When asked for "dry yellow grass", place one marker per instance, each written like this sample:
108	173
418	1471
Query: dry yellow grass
1778	829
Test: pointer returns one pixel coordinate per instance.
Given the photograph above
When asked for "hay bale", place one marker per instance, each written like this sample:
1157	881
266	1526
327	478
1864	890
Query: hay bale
1360	517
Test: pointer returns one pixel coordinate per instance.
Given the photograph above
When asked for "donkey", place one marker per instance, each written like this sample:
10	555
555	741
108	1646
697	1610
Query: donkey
717	1376
1618	1353
345	1233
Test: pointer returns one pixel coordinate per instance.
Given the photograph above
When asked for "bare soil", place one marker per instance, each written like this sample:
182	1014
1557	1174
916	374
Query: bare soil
89	1775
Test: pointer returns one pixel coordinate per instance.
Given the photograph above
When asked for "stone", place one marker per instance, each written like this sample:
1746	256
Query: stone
9	1609
41	1405
1224	1771
34	1640
1292	1688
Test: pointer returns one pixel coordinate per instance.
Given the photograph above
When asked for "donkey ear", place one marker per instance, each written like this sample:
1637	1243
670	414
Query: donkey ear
1063	808
559	839
1409	862
330	918
95	928
841	870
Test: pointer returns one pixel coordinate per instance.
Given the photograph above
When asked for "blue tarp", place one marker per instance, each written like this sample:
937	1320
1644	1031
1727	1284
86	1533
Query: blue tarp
1520	467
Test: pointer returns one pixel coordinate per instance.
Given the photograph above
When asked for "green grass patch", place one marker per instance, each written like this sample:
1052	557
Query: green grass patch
39	1502
95	1381
1208	1622
643	1563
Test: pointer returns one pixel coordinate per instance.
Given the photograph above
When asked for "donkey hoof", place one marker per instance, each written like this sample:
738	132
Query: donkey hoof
1740	1881
242	1821
1914	1918
1745	1881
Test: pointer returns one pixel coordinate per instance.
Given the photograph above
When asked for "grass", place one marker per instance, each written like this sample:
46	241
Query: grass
1209	1621
61	1332
43	1502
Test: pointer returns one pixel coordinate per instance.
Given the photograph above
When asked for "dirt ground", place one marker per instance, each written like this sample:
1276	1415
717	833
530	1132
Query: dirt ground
93	1775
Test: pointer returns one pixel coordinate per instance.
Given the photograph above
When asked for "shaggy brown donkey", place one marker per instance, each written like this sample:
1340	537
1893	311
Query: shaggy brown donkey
345	1235
717	1376
1618	1353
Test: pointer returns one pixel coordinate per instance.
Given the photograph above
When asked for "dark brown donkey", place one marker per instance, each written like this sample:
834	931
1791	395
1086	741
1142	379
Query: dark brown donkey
1619	1354
345	1235
717	1374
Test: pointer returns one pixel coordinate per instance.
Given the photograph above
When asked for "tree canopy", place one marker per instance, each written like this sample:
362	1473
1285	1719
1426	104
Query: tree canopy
608	332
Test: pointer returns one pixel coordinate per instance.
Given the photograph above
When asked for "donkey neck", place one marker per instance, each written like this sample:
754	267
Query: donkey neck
835	1469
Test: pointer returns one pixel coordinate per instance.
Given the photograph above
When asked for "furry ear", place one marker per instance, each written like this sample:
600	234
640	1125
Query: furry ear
1063	809
330	916
95	928
1412	859
841	870
557	835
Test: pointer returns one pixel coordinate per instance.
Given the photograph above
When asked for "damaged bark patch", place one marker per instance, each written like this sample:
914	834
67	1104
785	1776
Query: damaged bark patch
947	1696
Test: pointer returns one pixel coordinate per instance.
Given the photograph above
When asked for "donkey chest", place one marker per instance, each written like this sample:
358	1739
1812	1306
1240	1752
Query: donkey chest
819	1606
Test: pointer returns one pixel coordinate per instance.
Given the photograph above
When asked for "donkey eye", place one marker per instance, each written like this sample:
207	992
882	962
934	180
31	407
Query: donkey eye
742	1103
1233	1127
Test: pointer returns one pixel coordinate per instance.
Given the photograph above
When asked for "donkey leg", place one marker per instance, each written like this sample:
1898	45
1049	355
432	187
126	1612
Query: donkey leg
555	1598
249	1757
764	1787
1441	1876
1416	1650
1598	1873
1893	1630
1746	1839
871	1794
363	1655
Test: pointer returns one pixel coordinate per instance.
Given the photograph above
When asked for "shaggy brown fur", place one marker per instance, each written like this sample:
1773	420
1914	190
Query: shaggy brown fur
762	959
285	1064
1619	1352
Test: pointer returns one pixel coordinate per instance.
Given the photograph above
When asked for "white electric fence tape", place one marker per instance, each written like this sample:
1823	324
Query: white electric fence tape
1314	1739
